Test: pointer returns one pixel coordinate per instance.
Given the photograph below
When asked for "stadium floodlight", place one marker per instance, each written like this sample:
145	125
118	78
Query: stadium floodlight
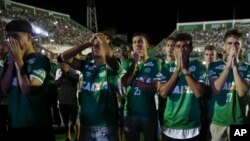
43	51
39	31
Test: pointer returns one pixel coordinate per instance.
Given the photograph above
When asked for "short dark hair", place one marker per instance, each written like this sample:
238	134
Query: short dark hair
233	32
219	55
210	47
143	35
184	37
170	38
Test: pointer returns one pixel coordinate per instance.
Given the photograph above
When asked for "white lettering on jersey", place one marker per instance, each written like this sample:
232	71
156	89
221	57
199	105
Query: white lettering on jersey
95	86
229	86
182	90
40	72
242	68
220	67
150	64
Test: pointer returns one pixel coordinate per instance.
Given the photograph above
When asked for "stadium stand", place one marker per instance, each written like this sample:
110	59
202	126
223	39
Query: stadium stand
55	31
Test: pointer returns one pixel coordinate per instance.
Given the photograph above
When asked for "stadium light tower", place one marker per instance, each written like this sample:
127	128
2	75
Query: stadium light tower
91	16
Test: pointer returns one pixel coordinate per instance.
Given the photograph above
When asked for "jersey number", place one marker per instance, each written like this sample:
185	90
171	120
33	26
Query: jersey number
229	97
137	91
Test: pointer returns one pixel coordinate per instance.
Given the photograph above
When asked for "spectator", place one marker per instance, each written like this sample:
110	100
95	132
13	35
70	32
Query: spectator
67	97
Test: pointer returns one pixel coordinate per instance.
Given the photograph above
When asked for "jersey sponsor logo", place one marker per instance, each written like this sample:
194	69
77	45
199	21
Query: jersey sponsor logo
88	74
192	68
229	86
149	64
211	73
93	87
40	72
220	67
182	90
242	68
90	67
144	79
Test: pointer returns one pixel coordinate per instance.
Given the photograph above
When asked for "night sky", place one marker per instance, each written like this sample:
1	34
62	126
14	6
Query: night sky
157	18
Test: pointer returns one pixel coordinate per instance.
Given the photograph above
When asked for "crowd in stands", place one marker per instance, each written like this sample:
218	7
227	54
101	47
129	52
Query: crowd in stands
60	31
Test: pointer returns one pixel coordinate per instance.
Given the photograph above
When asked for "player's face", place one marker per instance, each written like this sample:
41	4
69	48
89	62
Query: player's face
169	46
140	45
209	56
233	41
184	47
21	37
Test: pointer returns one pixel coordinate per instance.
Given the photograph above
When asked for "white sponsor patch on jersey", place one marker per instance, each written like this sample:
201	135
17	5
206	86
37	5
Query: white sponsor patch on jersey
182	90
149	64
95	86
220	67
40	72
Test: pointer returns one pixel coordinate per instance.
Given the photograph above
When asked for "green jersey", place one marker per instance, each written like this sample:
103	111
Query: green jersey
167	67
182	109
26	110
98	99
227	107
140	102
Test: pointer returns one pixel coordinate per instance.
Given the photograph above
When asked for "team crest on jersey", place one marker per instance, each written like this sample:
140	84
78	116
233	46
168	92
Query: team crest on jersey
172	69
149	64
220	67
192	68
147	70
102	74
